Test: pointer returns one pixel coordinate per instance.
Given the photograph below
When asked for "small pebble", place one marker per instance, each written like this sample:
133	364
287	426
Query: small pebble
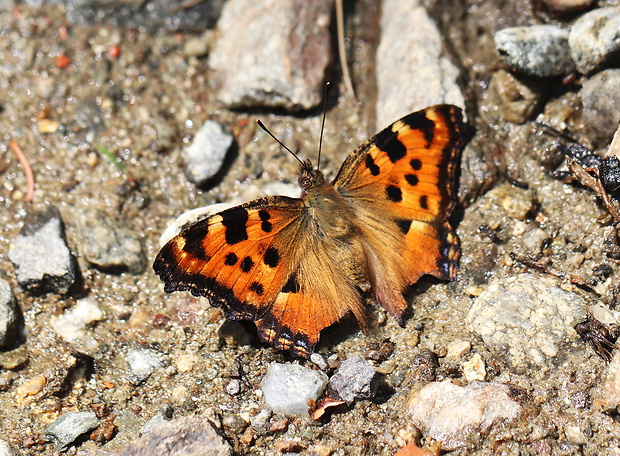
109	244
42	260
594	39
458	348
460	417
600	97
185	362
526	319
9	322
200	45
567	6
233	387
73	323
184	436
205	156
287	388
31	387
355	379
519	98
318	359
69	427
474	369
535	50
142	363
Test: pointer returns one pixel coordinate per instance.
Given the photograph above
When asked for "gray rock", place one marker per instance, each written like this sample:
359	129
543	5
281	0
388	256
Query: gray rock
535	50
42	260
287	388
205	156
412	70
355	379
600	97
108	244
460	416
519	98
153	15
9	323
142	363
594	40
5	447
526	319
69	427
287	69
185	436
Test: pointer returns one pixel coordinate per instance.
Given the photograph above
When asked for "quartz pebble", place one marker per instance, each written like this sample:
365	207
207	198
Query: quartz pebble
526	319
459	416
205	156
287	388
610	390
72	324
142	363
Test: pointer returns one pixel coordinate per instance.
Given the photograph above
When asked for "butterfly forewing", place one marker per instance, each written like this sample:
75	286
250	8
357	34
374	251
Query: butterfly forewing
238	258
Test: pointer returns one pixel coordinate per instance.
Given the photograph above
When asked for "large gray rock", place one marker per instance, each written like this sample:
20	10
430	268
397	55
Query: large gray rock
413	72
9	322
272	53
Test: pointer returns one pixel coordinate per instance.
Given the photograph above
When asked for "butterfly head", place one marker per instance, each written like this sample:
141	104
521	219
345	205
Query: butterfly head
309	176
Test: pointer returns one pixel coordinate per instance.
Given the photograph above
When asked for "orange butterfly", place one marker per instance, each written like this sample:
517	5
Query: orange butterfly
295	265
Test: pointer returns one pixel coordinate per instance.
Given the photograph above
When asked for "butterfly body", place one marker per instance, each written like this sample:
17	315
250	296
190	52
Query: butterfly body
297	265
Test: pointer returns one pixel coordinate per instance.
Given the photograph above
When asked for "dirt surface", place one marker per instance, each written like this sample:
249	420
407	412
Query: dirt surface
137	94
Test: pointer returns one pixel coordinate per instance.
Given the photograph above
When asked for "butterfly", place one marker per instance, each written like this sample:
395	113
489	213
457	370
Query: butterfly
295	266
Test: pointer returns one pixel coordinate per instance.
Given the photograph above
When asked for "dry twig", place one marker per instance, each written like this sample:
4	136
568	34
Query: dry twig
27	169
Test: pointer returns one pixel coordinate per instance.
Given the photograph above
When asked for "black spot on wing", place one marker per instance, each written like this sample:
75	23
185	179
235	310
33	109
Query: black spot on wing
403	225
265	225
247	264
387	140
291	286
412	179
194	236
231	259
418	121
235	221
424	201
371	165
416	164
394	193
257	288
272	257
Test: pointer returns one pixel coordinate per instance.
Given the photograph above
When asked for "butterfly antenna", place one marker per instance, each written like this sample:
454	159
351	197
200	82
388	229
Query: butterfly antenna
318	162
262	125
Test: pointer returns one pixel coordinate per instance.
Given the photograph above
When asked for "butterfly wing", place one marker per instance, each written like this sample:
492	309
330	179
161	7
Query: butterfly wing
401	183
253	261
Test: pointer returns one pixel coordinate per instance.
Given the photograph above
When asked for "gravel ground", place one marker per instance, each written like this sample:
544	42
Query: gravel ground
490	363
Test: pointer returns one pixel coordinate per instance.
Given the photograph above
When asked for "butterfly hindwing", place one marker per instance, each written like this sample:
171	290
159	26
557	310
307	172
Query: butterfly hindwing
258	261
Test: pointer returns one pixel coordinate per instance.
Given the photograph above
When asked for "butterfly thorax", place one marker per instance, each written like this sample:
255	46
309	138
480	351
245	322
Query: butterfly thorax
331	216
